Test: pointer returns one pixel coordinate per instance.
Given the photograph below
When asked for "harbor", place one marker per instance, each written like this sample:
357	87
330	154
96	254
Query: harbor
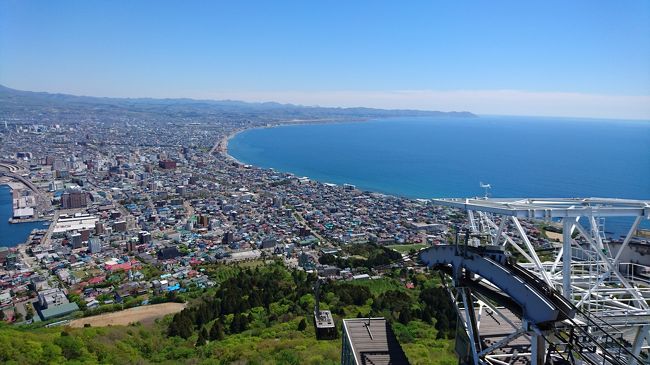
14	231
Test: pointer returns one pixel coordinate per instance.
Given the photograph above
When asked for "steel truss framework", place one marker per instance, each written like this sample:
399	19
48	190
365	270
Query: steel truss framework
612	322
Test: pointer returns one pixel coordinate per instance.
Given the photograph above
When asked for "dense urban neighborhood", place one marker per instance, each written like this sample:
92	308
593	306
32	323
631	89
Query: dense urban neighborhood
139	200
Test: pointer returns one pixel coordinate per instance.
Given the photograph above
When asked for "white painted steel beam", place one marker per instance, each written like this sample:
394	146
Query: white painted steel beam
531	251
584	269
553	208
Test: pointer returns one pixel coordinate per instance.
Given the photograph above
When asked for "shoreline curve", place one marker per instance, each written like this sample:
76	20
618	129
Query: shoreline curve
222	145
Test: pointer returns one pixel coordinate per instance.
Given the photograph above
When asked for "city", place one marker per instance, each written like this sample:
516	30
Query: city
140	209
121	201
326	182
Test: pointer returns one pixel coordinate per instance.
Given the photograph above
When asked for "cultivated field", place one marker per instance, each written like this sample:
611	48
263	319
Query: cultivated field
146	314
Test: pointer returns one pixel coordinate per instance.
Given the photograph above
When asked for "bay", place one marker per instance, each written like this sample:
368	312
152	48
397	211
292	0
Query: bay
449	157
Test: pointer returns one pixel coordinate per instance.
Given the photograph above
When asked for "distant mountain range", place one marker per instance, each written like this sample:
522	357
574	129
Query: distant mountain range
17	100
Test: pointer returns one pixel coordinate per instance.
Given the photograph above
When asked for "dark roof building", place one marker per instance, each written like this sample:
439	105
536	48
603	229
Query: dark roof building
58	311
168	253
370	341
167	164
268	242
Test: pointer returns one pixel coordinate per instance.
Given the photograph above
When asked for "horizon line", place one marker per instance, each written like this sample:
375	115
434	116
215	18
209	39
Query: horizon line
258	98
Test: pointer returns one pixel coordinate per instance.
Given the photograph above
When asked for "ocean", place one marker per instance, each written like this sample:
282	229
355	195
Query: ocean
449	157
13	234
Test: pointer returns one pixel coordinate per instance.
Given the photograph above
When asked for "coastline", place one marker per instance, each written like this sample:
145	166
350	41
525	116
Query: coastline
28	220
13	186
559	190
222	145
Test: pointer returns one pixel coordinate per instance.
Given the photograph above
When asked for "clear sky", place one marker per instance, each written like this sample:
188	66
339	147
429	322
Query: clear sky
565	58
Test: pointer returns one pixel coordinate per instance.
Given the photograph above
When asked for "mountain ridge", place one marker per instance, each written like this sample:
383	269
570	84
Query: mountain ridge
13	96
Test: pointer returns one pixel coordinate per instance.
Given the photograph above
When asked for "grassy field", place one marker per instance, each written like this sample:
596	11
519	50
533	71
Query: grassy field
406	248
144	314
379	286
251	264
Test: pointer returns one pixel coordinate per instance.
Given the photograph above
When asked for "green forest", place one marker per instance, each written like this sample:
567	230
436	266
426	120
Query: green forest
258	315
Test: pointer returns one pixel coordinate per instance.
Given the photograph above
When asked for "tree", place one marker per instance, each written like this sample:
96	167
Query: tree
235	325
30	312
185	329
405	316
327	259
202	315
71	347
216	332
243	325
426	316
181	325
442	325
203	337
302	325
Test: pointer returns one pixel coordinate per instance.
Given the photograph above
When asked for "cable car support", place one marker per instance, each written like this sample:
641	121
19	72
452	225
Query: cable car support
577	305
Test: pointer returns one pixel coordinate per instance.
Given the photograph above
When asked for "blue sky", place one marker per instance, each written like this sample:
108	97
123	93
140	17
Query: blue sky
569	58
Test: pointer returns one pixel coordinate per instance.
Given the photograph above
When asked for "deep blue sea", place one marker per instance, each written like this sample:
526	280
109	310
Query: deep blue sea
449	157
13	234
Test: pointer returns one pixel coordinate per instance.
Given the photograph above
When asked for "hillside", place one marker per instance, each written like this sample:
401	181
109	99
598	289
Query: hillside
256	316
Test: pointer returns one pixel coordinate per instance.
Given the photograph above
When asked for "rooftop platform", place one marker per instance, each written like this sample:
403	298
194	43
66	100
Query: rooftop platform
370	341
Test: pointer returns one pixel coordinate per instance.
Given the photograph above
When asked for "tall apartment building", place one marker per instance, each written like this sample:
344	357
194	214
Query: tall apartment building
73	199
